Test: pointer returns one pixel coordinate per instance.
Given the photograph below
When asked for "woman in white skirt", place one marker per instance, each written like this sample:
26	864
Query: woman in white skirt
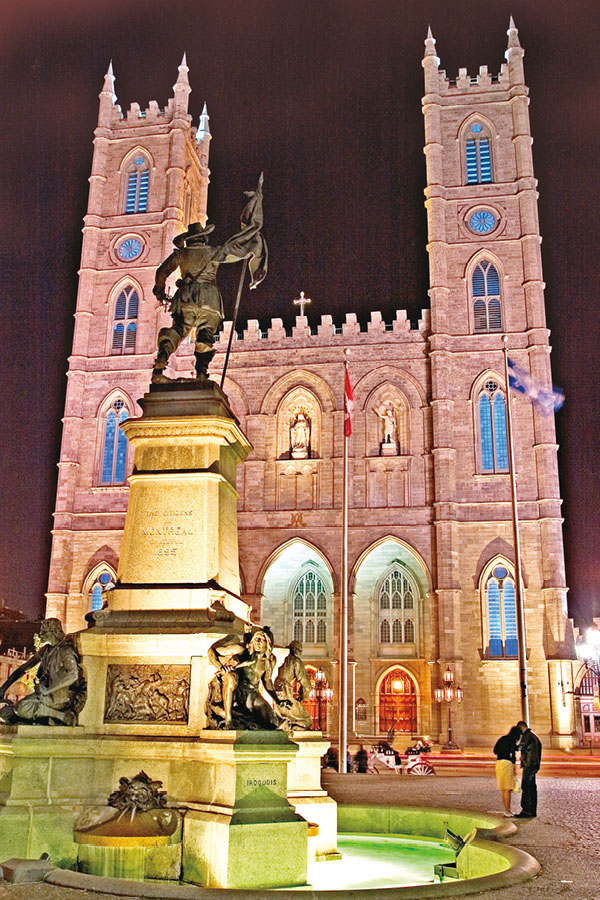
505	751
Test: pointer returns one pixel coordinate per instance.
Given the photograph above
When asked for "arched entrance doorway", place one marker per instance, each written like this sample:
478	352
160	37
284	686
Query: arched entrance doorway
397	703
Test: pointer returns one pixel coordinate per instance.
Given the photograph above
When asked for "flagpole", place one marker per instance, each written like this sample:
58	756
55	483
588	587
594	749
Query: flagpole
343	697
234	318
522	649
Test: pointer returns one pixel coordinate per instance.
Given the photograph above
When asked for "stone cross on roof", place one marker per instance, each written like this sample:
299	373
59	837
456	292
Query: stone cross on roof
301	301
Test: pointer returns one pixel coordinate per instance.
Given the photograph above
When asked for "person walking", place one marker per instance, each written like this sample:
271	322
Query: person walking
361	760
505	750
531	758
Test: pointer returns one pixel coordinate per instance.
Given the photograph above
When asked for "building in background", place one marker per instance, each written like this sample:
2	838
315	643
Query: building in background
430	533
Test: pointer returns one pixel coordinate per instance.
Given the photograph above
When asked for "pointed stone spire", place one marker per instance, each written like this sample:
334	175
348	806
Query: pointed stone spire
107	96
514	55
203	130
430	43
182	77
109	83
182	88
513	34
431	63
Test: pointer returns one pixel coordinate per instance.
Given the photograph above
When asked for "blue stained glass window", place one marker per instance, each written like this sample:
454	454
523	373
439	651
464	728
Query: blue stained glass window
500	445
510	618
478	157
485	427
502	614
121	305
132	182
132	306
485	163
494	316
143	194
114	458
117	341
121	459
479	281
125	331
487	313
96	597
493	282
130	336
492	429
109	448
472	173
136	197
102	583
494	618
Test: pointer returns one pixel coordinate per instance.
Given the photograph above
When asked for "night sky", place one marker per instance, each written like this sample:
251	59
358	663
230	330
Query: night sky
325	97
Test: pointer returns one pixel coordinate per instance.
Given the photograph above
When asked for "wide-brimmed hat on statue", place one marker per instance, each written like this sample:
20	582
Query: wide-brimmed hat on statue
196	231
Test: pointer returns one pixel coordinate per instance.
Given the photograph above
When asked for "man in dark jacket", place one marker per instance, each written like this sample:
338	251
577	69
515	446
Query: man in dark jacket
531	758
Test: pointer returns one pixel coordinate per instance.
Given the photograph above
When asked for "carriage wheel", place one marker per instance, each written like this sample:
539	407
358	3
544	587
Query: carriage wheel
421	769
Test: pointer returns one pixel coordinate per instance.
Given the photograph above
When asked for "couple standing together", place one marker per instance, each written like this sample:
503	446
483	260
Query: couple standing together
521	738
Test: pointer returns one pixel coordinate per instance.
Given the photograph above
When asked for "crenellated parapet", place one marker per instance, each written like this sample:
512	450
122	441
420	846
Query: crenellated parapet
350	332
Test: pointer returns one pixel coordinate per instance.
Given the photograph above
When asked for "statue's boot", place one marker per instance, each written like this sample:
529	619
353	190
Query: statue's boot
160	364
202	363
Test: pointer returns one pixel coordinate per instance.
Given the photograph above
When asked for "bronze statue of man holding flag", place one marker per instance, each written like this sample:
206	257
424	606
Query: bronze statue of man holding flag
197	302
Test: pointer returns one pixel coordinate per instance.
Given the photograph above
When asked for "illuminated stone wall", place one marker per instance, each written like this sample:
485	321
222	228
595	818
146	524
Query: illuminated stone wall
425	506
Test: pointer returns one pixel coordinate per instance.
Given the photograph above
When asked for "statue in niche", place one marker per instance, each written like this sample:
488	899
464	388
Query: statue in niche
300	437
241	694
389	445
292	686
60	689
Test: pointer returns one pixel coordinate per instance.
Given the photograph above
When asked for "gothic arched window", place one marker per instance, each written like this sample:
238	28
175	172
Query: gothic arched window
478	160
103	582
492	428
138	179
500	600
125	321
114	447
310	609
396	608
485	284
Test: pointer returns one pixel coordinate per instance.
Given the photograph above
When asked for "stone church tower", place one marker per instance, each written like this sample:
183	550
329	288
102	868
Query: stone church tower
149	179
486	280
431	561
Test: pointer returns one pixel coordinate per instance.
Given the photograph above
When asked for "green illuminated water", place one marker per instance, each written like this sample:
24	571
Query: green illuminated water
377	861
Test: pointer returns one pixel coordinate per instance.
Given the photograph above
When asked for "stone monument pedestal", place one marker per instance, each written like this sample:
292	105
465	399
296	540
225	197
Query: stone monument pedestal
233	785
389	448
244	833
145	660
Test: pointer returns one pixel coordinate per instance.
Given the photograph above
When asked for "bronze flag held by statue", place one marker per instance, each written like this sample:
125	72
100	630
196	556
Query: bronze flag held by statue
197	302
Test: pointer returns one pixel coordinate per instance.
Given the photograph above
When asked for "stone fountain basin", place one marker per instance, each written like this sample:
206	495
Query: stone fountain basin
484	864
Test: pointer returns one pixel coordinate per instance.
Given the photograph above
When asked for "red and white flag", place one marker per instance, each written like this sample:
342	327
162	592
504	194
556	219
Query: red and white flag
348	405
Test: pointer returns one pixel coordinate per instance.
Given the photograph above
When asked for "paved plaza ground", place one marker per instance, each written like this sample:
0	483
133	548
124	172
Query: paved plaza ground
565	837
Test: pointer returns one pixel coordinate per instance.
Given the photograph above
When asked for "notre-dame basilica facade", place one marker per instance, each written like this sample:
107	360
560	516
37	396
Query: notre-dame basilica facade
431	561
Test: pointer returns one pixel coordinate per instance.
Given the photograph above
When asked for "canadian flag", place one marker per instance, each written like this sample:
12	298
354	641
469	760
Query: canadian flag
348	405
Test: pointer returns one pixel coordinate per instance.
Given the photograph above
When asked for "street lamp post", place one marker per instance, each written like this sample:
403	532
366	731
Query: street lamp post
587	648
321	692
449	694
